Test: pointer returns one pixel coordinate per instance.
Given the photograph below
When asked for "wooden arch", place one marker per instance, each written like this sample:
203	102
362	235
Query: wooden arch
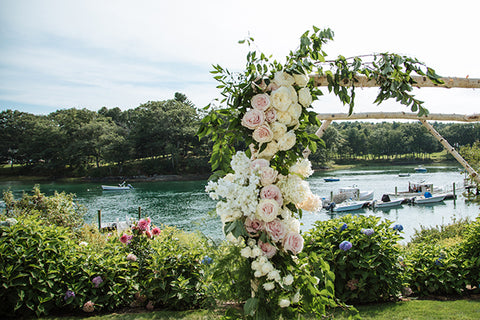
449	82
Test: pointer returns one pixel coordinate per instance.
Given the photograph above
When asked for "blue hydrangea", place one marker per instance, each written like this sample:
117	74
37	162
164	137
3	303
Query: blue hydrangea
344	226
69	294
345	245
398	227
207	260
368	231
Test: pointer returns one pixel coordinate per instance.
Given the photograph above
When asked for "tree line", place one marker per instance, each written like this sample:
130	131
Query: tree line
159	137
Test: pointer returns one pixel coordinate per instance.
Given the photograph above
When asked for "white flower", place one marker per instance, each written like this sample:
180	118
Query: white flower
288	280
269	151
267	267
257	274
302	167
282	99
283	79
246	252
262	134
304	97
284	117
251	242
269	286
287	141
301	79
256	252
267	209
278	129
284	303
296	298
240	162
83	244
274	275
295	111
268	176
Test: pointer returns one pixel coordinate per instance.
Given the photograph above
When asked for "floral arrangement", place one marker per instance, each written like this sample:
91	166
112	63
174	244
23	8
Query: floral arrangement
262	191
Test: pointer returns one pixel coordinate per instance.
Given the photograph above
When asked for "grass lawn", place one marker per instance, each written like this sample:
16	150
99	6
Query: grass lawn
407	310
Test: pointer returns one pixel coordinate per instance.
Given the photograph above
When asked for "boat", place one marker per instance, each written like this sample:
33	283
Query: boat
420	169
356	194
348	206
386	202
404	174
428	198
331	179
115	188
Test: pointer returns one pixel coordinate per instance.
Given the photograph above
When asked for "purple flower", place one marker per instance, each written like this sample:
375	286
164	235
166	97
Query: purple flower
438	262
345	245
69	294
368	232
96	281
207	260
344	226
398	227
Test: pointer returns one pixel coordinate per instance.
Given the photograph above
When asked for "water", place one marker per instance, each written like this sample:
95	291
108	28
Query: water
185	204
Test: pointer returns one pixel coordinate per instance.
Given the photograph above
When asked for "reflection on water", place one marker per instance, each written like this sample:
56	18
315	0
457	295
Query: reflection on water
185	204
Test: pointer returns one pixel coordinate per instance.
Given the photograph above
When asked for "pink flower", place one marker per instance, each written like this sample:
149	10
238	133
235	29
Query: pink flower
262	134
131	257
254	225
89	306
148	233
272	192
125	238
253	118
156	231
276	229
293	242
267	209
268	249
268	176
143	224
259	164
260	101
271	115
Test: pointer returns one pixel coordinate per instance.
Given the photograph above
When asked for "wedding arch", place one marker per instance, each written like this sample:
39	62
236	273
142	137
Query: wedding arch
258	131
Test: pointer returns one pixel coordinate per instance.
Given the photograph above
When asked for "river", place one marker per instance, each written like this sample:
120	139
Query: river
186	205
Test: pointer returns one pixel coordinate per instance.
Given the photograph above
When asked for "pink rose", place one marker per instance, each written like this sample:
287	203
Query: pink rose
254	225
271	115
260	101
259	164
276	229
268	175
272	86
272	192
148	233
156	231
293	242
125	238
262	134
268	249
267	209
253	119
142	224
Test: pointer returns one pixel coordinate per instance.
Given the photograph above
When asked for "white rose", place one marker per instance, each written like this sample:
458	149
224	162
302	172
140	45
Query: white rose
301	79
267	268
302	167
304	97
269	151
269	286
271	115
278	129
258	274
288	280
262	134
267	209
295	111
283	79
284	118
256	252
281	98
287	141
246	252
268	176
296	298
274	275
284	303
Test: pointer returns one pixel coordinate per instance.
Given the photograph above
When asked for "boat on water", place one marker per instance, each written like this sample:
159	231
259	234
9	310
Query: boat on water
420	169
331	179
348	206
355	193
404	174
428	198
117	188
386	202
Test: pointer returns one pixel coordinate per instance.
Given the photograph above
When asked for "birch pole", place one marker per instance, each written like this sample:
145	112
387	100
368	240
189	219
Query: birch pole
452	151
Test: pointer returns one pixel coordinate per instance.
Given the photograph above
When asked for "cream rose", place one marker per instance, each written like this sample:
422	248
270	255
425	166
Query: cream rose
269	286
253	119
260	101
267	209
281	98
268	176
284	118
258	164
269	151
304	97
288	280
293	242
278	129
295	111
301	79
312	203
284	303
262	134
287	141
283	79
276	229
272	192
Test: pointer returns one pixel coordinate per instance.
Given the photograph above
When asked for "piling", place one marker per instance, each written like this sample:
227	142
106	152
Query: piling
139	213
396	191
99	214
454	195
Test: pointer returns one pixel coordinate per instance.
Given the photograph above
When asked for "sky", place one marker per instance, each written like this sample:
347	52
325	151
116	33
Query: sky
117	53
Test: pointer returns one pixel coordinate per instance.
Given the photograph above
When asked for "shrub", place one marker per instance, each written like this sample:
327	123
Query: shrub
439	233
59	209
469	252
363	254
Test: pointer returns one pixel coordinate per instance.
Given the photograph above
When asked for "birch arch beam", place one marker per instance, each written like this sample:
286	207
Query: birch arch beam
327	118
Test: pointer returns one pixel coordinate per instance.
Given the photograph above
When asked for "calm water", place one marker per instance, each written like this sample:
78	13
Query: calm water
185	204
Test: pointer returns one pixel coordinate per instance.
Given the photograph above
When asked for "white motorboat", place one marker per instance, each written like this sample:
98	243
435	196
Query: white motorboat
387	204
348	206
355	193
116	188
428	199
